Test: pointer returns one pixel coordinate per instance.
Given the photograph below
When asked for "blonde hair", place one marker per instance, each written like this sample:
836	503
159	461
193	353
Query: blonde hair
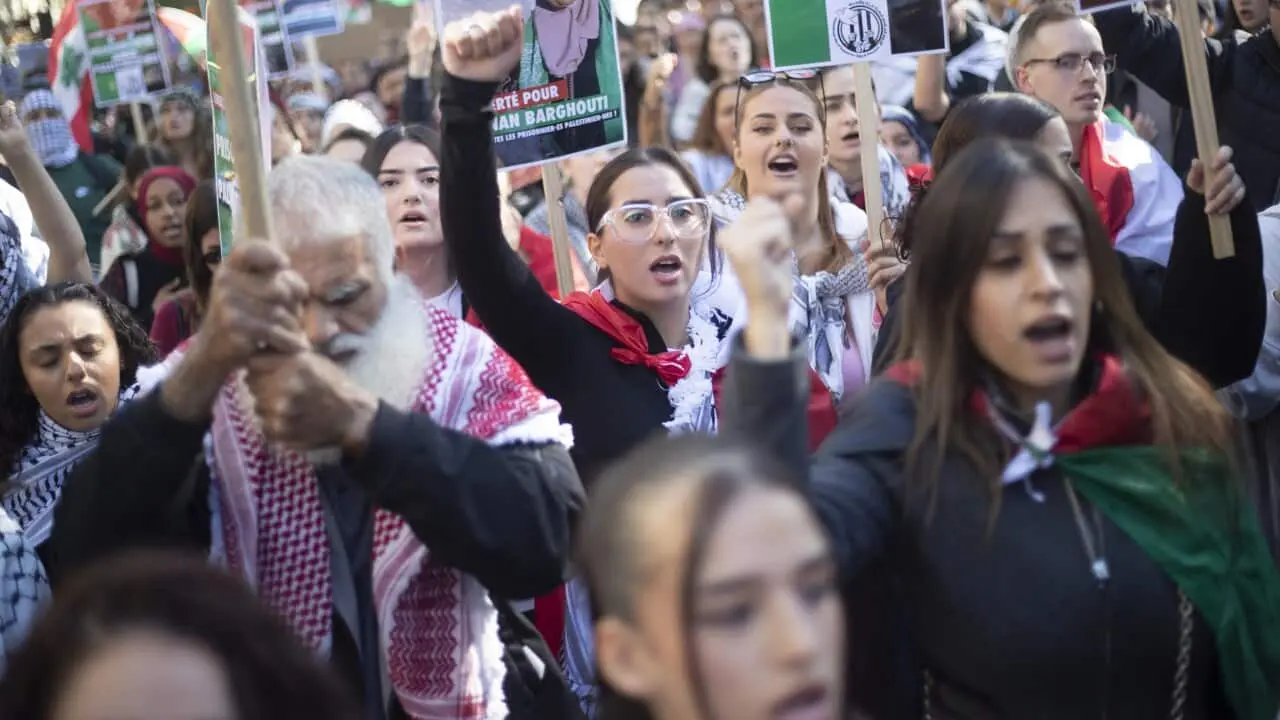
836	250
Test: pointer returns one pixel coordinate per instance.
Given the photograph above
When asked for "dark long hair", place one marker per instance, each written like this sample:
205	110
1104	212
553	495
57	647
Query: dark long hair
708	72
957	220
393	136
600	194
19	411
1013	116
202	216
271	675
610	542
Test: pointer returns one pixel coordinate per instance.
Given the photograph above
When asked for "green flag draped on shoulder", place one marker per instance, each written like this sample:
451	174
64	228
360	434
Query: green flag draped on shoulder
1204	535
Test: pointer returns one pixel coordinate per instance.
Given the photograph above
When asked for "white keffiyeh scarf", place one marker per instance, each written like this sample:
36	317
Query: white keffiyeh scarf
24	587
41	470
818	302
693	407
15	277
438	627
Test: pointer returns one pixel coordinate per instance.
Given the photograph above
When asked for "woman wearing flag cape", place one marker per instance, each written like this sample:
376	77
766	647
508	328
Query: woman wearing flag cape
1046	494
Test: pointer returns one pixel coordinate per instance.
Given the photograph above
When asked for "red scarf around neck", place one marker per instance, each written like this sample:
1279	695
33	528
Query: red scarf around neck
671	365
1112	414
1106	178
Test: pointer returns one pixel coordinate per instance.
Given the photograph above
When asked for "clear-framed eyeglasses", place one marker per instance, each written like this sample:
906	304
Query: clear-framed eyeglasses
638	223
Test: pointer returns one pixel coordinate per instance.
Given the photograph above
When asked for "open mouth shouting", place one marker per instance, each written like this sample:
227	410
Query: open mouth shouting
783	165
1052	338
84	403
667	270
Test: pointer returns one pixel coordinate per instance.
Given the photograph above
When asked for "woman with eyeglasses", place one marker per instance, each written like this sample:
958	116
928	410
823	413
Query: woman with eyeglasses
1044	498
635	356
179	318
781	149
1206	312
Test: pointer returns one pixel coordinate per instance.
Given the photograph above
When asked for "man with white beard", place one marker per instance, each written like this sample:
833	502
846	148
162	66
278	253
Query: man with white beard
372	466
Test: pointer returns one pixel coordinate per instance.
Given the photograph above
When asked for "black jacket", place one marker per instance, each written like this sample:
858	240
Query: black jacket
1244	75
1005	616
502	515
612	406
1208	313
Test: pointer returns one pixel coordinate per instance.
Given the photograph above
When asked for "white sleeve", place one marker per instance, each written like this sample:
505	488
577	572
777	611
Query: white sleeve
1258	395
34	250
684	117
1157	192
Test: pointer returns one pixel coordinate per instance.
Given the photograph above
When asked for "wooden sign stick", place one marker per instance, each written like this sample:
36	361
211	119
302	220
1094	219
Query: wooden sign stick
553	191
1186	15
869	134
239	104
139	123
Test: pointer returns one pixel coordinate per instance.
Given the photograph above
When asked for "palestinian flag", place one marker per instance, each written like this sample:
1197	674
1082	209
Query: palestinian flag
189	30
819	33
69	74
1198	528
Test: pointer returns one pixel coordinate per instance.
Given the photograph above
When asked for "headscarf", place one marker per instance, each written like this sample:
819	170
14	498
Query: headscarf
51	138
172	172
564	33
899	114
352	114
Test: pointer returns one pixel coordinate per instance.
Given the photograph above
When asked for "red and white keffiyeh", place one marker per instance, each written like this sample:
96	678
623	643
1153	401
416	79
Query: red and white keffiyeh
437	626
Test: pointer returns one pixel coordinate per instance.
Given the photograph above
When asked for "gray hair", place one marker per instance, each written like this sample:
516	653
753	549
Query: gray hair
316	199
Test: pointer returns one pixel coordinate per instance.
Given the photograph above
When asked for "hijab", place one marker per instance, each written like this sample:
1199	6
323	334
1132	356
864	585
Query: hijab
565	33
185	181
904	117
51	138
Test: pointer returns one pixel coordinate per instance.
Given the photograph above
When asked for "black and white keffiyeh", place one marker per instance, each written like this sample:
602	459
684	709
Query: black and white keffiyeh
15	277
36	483
23	587
818	302
819	313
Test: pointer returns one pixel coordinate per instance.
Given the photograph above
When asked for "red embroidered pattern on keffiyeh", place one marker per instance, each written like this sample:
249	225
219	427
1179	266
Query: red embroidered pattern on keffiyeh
437	626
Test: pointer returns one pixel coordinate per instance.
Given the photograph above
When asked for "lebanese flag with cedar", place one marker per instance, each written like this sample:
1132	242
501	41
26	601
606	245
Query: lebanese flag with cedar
69	74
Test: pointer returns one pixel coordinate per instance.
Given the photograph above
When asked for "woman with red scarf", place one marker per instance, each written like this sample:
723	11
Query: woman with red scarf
641	352
145	280
1046	495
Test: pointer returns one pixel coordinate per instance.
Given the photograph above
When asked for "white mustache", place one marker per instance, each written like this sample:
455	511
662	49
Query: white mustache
342	344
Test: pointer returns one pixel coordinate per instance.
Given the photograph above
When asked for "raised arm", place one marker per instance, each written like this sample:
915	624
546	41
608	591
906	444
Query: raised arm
497	283
1212	313
766	395
68	259
1147	47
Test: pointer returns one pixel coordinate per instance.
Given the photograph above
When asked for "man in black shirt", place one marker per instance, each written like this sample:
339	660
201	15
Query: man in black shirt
376	472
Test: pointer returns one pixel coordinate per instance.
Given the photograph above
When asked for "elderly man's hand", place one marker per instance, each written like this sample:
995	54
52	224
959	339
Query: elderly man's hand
306	402
255	306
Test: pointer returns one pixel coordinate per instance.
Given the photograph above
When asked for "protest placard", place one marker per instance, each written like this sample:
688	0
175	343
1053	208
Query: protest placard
277	49
312	18
126	59
566	96
822	33
223	164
